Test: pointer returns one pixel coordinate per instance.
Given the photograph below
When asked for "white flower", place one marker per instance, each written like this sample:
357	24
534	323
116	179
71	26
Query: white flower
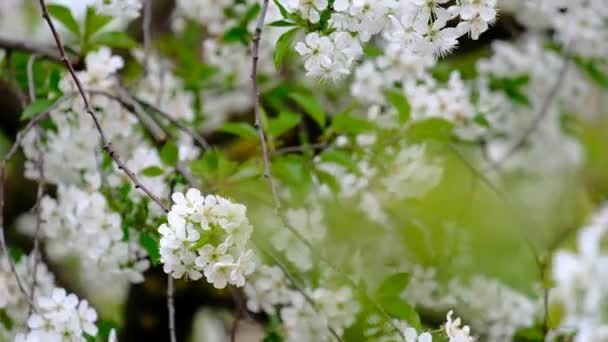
207	235
60	317
455	332
310	9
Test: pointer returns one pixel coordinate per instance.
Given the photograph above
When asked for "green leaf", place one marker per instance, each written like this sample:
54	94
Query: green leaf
37	107
341	158
6	320
529	334
400	309
481	120
398	99
152	171
93	23
590	67
284	13
169	154
64	15
150	244
283	47
241	129
311	106
282	23
431	129
104	327
394	285
345	123
283	123
291	170
115	39
16	253
236	34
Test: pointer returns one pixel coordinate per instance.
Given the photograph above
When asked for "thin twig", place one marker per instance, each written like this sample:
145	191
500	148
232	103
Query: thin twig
171	308
542	113
41	183
46	52
146	120
3	246
256	104
290	149
107	146
156	109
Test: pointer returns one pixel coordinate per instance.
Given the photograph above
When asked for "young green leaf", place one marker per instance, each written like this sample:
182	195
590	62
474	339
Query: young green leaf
283	47
282	23
241	129
312	107
284	13
393	285
152	171
169	154
150	244
344	123
398	99
431	129
115	39
37	107
64	16
283	123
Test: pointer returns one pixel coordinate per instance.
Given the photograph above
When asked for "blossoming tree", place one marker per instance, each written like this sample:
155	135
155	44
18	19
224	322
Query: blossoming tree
315	170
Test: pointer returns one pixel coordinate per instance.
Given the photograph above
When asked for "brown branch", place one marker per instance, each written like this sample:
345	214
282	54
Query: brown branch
290	149
171	308
200	140
107	146
46	52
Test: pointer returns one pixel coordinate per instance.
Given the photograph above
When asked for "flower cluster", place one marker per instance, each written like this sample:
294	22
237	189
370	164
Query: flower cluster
60	317
13	304
80	223
455	332
580	282
419	26
306	321
207	234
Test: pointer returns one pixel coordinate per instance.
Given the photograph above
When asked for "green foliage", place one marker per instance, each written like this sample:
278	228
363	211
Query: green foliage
152	171
512	87
311	106
241	129
115	39
284	45
431	129
150	244
348	124
65	16
388	296
399	101
37	107
169	154
283	123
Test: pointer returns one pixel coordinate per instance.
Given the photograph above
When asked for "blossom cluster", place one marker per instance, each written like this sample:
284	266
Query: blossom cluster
419	26
80	223
60	317
12	302
207	235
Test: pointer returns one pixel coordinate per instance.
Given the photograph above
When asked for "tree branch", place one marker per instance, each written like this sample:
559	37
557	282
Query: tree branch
199	139
46	52
104	140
